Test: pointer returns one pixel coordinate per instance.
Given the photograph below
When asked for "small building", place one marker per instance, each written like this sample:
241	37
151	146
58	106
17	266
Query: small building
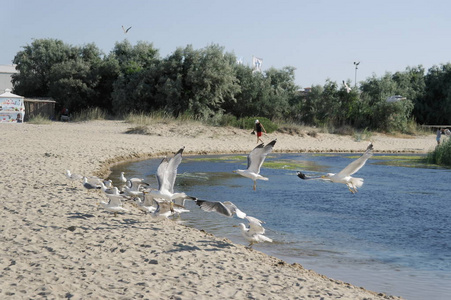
45	107
6	72
12	109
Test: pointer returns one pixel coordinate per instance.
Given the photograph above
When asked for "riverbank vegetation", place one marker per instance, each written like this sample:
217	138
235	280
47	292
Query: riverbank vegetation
210	85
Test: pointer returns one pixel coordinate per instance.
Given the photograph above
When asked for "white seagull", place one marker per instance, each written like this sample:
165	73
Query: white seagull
89	185
348	89
344	176
255	232
225	208
166	175
74	177
122	178
255	160
114	205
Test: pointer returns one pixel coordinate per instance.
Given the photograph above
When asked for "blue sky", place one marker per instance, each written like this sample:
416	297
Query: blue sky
321	39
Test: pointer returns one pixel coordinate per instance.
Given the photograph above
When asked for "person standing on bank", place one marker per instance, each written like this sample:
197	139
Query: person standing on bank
258	128
439	135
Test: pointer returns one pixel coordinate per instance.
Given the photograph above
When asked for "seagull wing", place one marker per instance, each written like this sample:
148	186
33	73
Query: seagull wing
257	156
161	174
235	210
171	170
215	206
115	200
255	226
358	163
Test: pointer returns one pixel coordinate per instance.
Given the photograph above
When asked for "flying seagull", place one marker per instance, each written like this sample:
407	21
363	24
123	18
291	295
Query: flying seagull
255	160
255	232
344	176
126	30
166	174
226	208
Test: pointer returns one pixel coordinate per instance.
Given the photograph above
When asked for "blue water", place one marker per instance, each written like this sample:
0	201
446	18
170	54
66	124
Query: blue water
393	236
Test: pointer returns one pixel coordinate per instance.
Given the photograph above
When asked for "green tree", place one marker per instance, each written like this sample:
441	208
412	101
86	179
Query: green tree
34	64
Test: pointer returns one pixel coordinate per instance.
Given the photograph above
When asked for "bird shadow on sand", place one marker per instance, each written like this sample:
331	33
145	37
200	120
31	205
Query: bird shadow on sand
216	245
78	215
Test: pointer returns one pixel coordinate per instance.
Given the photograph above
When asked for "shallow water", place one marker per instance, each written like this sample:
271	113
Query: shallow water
393	236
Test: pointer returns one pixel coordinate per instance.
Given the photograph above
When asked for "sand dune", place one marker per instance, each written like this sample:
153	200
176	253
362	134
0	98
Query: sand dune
56	242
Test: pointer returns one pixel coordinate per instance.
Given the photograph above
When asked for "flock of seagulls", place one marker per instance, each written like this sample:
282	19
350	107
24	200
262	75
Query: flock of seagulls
163	202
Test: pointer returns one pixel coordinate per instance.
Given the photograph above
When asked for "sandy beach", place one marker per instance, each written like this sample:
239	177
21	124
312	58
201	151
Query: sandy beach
57	243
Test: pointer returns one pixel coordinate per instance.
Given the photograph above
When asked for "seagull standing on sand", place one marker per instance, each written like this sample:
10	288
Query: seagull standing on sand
89	185
255	160
114	205
73	177
255	232
166	175
344	176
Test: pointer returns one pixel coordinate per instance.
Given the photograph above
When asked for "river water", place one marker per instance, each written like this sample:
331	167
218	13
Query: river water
393	236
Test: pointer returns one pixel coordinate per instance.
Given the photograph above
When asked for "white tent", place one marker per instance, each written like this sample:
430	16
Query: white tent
12	109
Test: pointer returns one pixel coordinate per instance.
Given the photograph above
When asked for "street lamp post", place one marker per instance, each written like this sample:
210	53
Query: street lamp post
356	67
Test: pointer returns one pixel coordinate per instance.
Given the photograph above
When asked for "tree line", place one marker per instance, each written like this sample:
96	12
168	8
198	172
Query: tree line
209	83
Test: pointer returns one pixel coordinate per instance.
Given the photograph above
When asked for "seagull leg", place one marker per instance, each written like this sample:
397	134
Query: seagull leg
115	214
255	185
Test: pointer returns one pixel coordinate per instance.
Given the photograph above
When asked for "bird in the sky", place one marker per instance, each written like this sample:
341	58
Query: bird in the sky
344	176
126	30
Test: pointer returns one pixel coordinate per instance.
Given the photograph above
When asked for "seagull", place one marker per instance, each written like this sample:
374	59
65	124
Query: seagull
90	186
109	190
125	30
344	176
146	205
166	174
122	178
255	160
74	177
255	232
166	209
114	205
348	89
226	208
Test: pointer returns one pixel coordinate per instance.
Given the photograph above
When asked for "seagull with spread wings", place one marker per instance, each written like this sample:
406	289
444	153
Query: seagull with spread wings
344	176
255	160
126	30
166	175
255	232
225	208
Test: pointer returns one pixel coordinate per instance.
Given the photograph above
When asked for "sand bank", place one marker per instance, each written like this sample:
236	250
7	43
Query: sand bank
56	242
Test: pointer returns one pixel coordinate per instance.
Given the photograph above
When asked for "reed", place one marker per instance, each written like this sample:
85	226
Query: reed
39	120
89	114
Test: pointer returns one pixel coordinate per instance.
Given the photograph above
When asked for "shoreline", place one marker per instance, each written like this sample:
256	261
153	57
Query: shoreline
57	243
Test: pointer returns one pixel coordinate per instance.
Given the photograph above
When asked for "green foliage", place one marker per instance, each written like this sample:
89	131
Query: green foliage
441	155
209	85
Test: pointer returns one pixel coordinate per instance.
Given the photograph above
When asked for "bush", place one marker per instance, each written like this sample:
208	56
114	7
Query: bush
441	155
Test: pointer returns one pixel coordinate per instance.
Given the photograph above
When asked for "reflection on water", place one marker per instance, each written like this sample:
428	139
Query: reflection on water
393	236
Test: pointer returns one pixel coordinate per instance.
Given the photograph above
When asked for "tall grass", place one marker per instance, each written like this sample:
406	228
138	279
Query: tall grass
441	155
89	114
39	120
